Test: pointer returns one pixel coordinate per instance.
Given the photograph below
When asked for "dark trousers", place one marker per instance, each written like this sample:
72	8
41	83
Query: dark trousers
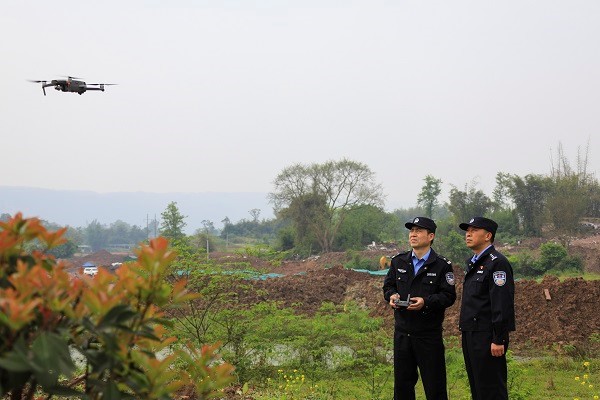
426	353
487	374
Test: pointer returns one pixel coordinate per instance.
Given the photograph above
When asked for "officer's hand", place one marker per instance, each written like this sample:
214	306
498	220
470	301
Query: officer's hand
392	298
497	350
416	303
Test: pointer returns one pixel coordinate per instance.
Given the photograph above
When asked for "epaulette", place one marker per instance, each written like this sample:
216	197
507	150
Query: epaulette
401	253
494	254
445	259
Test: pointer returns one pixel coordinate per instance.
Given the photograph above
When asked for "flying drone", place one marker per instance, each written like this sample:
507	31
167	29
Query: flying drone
71	84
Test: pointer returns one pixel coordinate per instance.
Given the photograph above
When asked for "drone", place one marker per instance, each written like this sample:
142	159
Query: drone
71	84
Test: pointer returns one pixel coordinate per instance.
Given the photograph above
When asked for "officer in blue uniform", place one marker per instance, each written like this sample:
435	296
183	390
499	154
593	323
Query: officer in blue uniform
487	312
429	281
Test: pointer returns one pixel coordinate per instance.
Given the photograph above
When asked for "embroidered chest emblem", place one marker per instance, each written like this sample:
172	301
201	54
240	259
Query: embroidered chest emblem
402	271
431	274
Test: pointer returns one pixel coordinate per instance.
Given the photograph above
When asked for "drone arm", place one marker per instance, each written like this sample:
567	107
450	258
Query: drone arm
95	88
44	86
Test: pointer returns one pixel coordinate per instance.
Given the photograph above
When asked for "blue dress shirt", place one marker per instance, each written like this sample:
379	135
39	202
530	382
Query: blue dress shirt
418	263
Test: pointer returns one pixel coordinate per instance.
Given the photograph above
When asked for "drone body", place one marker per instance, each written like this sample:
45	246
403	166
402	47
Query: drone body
72	85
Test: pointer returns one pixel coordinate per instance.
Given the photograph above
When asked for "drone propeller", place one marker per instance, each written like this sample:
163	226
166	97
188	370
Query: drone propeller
43	85
102	84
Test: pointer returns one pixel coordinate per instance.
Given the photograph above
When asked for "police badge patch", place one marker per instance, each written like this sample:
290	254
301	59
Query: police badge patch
499	278
450	278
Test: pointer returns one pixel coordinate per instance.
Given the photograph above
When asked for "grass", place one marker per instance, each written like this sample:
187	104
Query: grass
588	276
543	378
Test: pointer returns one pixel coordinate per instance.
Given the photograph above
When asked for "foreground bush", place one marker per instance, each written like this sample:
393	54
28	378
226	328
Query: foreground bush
113	323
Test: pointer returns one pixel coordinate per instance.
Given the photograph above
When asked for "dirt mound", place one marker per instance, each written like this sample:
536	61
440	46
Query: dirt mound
307	291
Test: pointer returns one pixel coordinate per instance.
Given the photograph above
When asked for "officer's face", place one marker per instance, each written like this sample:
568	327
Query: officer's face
419	237
477	239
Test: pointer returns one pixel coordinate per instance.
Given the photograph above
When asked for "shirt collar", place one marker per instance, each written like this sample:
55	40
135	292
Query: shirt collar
476	256
425	256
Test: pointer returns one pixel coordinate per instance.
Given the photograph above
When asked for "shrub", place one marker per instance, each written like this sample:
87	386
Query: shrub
525	264
114	322
357	261
551	254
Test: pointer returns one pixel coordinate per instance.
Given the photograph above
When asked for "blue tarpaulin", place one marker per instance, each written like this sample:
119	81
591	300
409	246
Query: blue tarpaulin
380	272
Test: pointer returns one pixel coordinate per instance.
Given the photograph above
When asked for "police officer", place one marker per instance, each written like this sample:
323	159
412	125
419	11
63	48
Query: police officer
487	312
429	281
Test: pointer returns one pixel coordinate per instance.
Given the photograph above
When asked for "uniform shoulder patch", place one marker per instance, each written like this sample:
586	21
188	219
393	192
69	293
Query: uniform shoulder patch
499	278
450	278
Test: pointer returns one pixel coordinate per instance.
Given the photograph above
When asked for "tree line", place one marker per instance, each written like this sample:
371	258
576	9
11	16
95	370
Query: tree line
338	205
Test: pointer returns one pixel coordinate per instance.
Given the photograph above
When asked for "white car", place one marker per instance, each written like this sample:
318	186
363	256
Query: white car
91	271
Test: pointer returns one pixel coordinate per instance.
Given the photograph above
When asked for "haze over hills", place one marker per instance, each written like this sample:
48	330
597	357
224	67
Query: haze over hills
78	208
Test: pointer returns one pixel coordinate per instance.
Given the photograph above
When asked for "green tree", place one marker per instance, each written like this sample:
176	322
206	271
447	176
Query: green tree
530	195
65	250
466	204
96	235
452	246
569	194
308	214
361	227
501	196
566	204
255	213
119	232
342	186
208	227
428	197
172	223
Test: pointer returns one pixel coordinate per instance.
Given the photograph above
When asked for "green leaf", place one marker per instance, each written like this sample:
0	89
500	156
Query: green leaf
117	316
52	357
17	359
111	392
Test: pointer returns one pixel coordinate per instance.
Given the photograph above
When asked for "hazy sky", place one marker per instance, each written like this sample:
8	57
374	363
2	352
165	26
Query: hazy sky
220	96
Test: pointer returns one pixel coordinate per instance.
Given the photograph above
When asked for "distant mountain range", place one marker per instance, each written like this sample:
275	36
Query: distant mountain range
78	208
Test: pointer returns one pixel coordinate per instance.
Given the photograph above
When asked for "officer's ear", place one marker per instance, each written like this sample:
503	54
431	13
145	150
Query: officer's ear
489	236
431	236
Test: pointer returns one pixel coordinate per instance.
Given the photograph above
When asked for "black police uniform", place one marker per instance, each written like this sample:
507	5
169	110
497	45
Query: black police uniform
487	314
418	334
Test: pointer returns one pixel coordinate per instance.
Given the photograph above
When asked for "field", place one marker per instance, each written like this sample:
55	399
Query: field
554	336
